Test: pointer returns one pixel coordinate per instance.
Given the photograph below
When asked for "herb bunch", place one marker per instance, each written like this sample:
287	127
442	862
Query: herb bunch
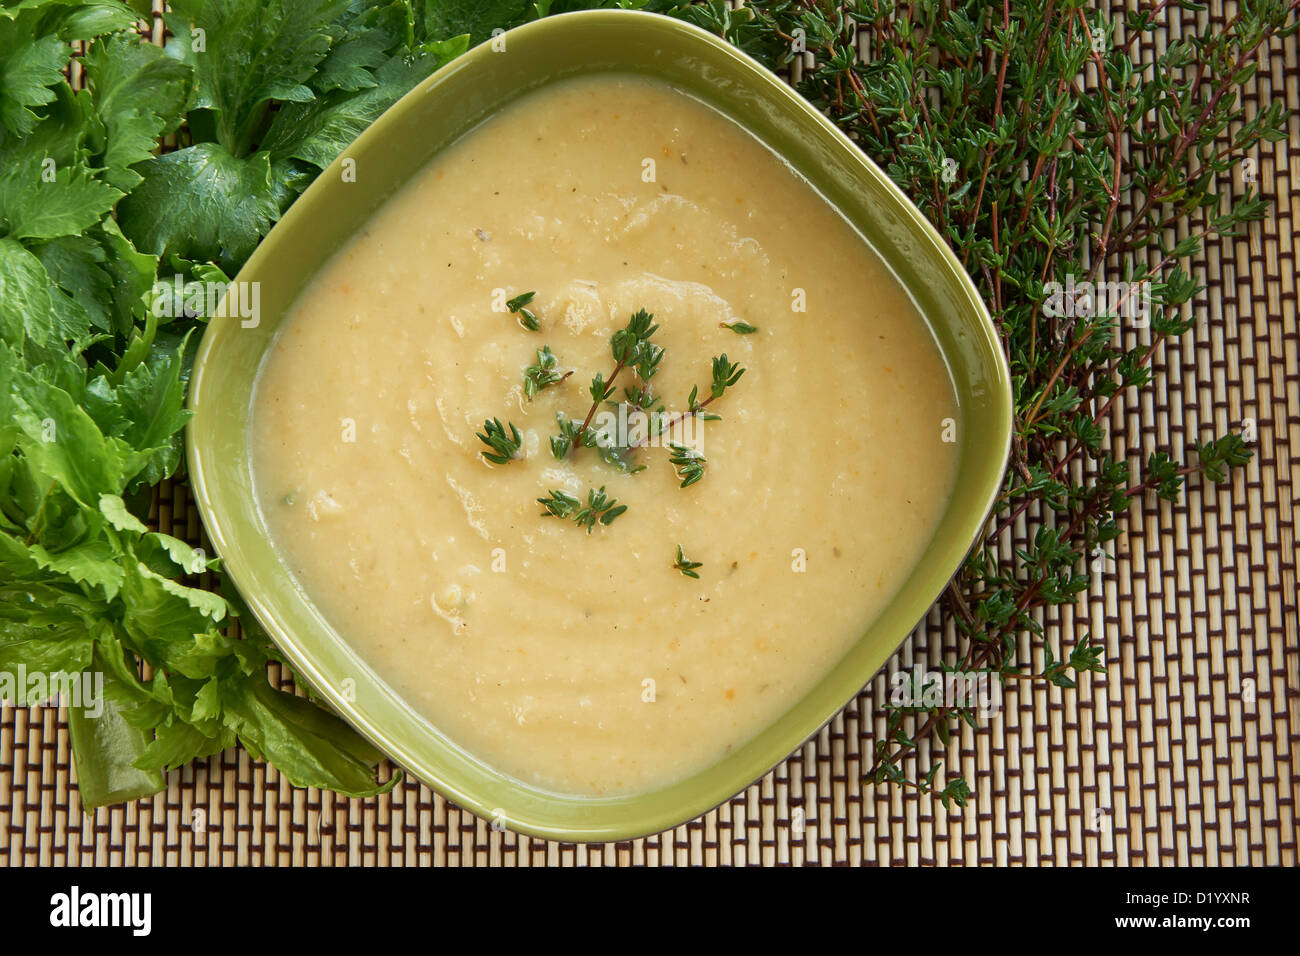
1023	132
165	163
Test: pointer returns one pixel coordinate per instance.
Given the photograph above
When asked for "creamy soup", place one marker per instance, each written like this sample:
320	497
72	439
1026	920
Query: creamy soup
588	662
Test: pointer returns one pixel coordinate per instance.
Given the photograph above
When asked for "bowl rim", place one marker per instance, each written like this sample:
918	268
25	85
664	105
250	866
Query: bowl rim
652	818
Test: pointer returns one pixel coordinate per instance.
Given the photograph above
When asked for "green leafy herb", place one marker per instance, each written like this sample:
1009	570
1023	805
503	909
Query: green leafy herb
280	89
641	397
92	412
687	568
1085	656
1219	454
630	346
96	215
478	18
725	375
544	374
568	436
503	445
559	505
611	443
599	508
645	361
688	463
740	328
526	318
203	203
600	390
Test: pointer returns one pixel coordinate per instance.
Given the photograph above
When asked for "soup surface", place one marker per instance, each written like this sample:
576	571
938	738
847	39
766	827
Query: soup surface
587	662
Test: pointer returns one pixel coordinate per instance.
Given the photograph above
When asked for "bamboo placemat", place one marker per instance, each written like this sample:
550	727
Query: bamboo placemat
1183	752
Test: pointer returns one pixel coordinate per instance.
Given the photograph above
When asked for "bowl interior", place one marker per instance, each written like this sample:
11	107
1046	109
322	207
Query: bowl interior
432	116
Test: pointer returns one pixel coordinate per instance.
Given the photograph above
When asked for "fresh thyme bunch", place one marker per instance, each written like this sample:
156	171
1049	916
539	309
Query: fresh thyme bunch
1047	158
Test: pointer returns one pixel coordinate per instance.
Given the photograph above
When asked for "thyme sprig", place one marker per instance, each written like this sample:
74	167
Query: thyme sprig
544	374
599	508
503	446
642	398
687	462
725	375
630	346
569	436
621	457
1043	152
688	568
526	316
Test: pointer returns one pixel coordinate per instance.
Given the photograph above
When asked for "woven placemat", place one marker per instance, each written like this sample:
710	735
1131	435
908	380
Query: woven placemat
1183	752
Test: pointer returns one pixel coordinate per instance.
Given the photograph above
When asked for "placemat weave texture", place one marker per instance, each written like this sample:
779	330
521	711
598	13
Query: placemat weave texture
1183	752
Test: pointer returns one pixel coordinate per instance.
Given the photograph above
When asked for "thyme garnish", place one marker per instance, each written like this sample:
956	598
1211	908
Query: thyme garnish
526	317
725	375
630	346
504	447
568	436
599	508
620	456
686	567
544	374
739	327
687	462
559	505
642	398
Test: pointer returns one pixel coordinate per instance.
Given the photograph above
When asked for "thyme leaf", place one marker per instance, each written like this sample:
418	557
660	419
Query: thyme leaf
544	374
688	568
503	446
526	317
687	462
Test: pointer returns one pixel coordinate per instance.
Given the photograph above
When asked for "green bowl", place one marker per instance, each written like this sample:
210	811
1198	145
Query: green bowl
432	116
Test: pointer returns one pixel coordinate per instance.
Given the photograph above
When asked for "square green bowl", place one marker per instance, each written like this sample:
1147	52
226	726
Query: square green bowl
428	119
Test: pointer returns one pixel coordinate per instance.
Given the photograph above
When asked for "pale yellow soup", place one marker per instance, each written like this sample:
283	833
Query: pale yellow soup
586	662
